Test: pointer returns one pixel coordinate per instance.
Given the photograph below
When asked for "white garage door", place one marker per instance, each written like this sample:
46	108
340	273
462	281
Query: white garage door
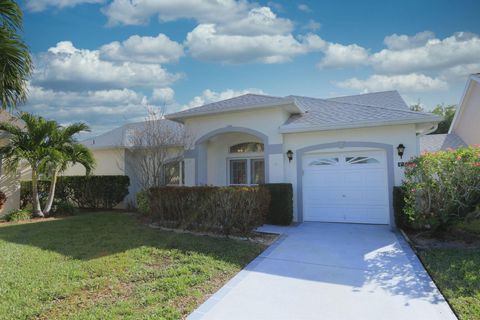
346	187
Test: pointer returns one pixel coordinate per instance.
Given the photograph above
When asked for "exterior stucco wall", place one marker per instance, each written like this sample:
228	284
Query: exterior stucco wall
467	126
391	135
10	185
109	162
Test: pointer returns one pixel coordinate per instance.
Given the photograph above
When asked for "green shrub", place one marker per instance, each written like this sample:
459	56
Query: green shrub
65	208
142	203
18	215
442	187
3	199
89	192
401	219
280	211
224	210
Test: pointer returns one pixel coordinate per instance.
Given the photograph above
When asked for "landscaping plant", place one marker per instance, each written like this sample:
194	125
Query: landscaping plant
3	199
442	187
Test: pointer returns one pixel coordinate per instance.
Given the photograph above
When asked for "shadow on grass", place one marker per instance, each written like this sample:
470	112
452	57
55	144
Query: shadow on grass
93	235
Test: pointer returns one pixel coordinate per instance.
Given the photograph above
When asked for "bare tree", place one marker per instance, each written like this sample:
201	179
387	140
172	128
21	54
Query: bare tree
154	149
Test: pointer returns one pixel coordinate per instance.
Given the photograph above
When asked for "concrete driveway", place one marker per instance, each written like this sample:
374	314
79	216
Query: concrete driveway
330	271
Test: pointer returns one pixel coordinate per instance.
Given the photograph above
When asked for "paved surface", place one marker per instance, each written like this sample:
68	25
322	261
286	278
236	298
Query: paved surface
330	271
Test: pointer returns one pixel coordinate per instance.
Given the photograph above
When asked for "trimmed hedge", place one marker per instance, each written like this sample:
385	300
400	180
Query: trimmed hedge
89	192
280	211
401	219
223	210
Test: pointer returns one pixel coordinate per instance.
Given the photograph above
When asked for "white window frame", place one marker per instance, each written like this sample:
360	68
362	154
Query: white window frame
249	169
181	180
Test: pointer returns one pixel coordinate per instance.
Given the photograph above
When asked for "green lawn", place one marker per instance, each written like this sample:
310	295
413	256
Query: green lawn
109	266
457	273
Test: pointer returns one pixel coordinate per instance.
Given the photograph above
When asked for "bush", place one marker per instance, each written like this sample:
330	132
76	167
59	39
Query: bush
18	215
442	187
64	208
142	203
224	210
280	211
3	199
89	192
401	219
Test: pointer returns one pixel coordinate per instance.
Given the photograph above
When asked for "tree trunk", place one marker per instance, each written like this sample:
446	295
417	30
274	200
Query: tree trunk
51	193
37	210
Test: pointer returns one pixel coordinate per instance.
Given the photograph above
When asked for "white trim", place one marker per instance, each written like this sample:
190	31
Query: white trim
364	124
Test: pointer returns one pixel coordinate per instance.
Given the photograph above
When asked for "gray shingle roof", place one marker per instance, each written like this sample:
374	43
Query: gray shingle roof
378	108
119	137
326	113
437	142
385	99
246	101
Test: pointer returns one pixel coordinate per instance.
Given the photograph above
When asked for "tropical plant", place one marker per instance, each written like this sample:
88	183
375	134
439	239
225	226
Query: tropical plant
46	147
66	151
15	59
447	113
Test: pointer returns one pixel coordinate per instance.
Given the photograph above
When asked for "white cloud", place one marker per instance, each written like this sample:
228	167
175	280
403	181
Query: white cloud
209	96
40	5
338	56
434	55
258	21
140	11
68	68
159	49
405	83
205	43
312	25
402	42
162	96
303	7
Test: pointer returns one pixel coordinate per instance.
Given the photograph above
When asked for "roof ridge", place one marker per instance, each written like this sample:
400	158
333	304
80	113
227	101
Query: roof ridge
362	94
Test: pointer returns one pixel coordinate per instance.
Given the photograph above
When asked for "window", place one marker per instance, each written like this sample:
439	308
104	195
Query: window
238	171
247	171
174	173
324	162
247	147
360	160
257	171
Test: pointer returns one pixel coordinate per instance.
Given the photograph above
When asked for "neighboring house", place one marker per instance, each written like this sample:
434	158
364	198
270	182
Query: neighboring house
464	129
467	118
118	152
9	182
342	155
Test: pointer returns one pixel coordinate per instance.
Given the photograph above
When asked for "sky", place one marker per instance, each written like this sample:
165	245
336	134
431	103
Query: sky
107	62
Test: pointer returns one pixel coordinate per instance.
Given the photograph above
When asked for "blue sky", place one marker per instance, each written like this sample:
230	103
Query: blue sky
106	62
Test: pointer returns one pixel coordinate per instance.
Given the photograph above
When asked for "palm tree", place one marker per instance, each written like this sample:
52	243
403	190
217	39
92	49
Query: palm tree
67	152
31	144
15	59
47	148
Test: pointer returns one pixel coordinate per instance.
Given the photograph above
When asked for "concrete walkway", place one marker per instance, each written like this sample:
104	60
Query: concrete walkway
330	271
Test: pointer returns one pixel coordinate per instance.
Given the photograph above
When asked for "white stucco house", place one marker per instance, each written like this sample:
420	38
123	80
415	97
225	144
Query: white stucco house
342	155
464	129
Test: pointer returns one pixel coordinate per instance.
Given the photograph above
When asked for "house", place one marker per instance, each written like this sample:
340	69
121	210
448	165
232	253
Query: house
464	129
342	155
465	124
121	150
9	182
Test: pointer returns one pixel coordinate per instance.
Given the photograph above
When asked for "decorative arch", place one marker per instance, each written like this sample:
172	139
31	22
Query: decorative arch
346	144
200	151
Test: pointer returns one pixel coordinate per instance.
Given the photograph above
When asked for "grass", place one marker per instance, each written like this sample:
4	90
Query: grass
109	266
457	274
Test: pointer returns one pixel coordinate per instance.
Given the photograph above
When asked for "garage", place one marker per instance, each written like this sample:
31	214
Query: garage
346	187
